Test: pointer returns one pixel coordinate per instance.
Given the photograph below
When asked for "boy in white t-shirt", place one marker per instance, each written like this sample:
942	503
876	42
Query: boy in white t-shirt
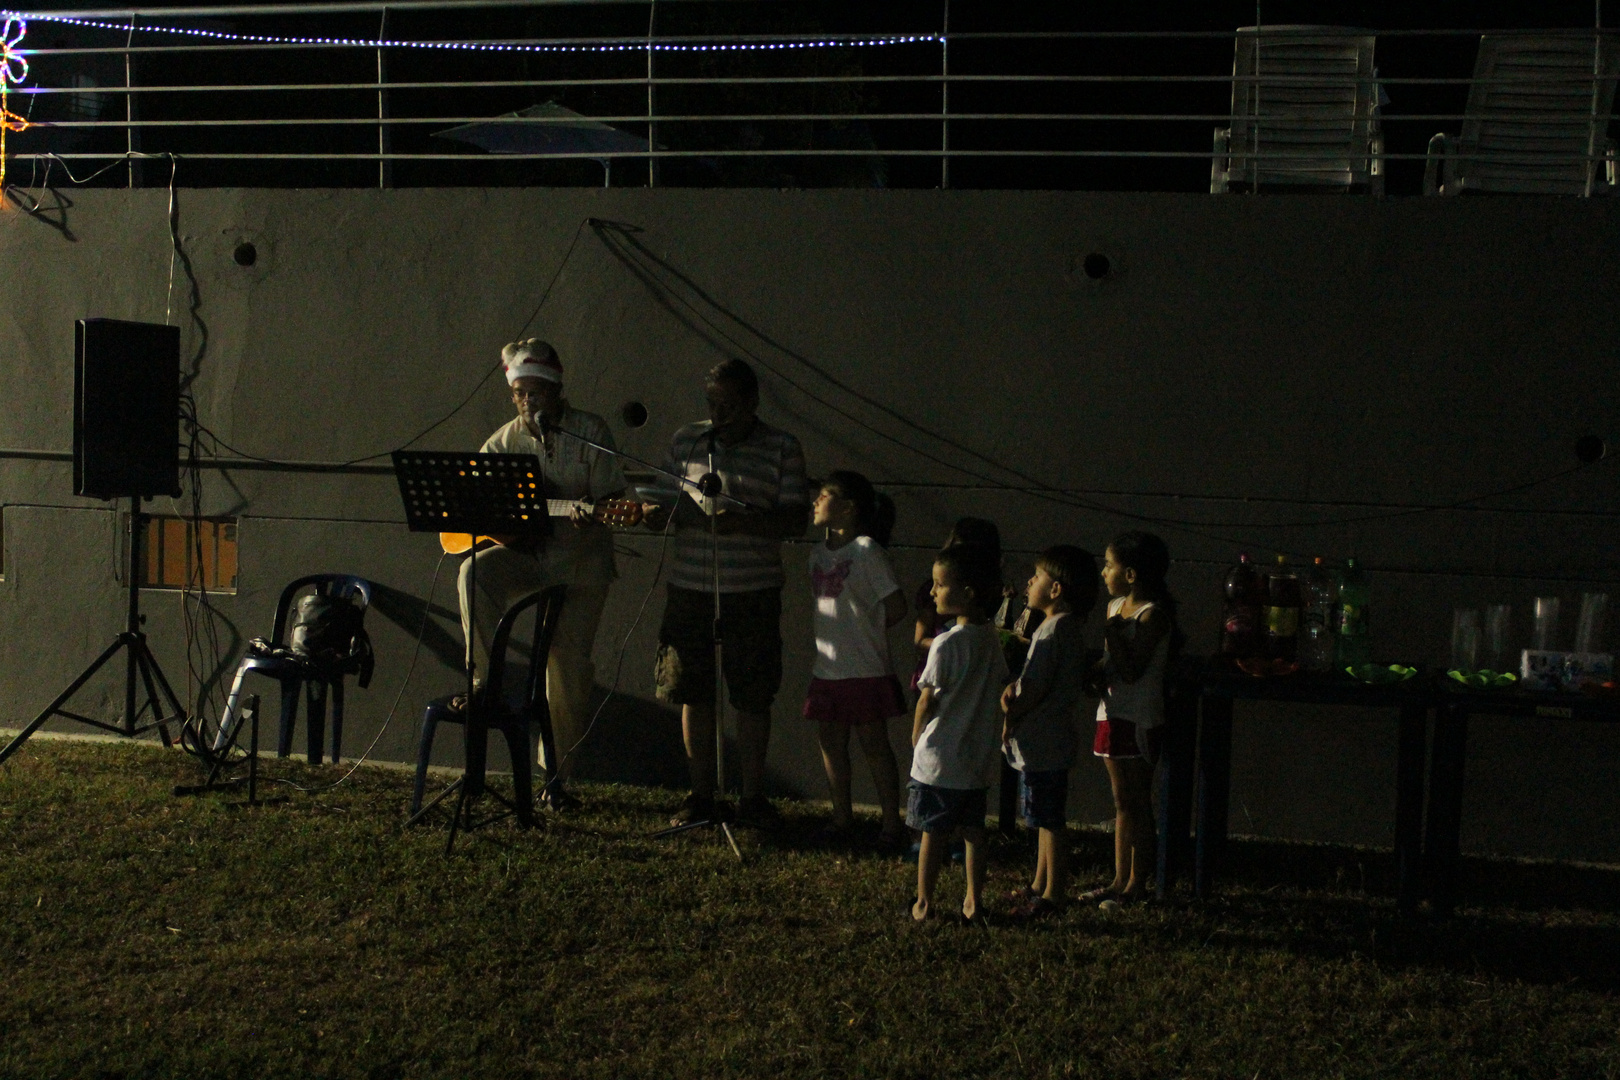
1041	733
853	686
955	730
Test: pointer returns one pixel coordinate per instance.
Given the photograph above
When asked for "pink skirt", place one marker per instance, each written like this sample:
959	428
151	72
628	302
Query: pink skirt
854	701
1116	739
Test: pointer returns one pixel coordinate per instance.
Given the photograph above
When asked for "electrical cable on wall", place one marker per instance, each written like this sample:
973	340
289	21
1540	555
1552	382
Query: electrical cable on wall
622	241
441	421
669	297
619	238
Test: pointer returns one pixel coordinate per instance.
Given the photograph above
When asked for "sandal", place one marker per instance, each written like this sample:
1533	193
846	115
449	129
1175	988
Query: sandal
1037	908
1118	901
693	808
1094	896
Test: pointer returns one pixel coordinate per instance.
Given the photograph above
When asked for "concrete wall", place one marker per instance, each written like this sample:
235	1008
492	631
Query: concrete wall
1250	364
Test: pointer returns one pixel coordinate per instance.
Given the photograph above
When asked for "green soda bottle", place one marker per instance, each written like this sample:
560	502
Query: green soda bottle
1355	641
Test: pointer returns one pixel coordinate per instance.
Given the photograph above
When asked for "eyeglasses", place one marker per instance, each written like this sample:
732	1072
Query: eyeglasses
533	395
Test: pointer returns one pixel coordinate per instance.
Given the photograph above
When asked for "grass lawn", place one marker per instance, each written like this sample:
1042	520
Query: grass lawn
148	936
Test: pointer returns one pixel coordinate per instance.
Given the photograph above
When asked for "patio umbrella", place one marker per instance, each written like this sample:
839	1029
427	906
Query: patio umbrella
549	129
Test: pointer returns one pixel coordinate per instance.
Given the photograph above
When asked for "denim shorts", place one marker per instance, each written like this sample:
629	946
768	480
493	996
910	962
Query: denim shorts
1043	798
933	809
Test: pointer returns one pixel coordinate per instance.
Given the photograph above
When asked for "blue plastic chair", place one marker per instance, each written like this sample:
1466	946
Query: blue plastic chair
274	657
496	711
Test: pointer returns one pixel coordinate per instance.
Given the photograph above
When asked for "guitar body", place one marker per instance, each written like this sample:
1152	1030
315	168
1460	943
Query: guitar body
461	543
618	513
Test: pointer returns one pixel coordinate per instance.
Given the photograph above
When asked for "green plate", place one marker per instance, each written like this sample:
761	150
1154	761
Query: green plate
1484	679
1379	675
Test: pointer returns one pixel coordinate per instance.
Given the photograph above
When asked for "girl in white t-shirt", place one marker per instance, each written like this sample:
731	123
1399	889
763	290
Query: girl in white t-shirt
1139	640
853	686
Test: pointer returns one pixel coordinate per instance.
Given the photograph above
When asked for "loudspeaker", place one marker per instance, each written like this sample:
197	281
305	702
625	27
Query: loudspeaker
126	409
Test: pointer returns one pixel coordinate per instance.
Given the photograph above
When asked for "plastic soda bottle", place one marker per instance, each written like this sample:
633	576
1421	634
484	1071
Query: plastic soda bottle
1282	612
1240	626
1318	646
1355	641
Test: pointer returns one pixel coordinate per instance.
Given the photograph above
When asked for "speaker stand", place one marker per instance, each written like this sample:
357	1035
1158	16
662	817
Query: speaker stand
141	670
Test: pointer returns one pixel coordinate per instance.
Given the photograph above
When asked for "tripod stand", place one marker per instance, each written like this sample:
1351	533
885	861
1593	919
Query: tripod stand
709	486
140	666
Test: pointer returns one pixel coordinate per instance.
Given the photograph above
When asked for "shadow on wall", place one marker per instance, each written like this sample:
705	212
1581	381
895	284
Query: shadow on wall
634	742
405	611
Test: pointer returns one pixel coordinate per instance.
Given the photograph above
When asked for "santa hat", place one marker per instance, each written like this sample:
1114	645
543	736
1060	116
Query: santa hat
533	359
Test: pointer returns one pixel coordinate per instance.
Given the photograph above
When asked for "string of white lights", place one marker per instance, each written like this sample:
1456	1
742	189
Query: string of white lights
587	46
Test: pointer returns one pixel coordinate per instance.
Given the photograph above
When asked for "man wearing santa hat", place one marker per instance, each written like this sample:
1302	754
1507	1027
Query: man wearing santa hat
579	555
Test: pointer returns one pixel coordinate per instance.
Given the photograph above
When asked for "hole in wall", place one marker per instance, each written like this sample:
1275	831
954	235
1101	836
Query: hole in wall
634	414
245	254
1590	449
1096	264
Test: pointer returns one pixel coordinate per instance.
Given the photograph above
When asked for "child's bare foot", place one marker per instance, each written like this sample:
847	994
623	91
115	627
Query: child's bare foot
919	910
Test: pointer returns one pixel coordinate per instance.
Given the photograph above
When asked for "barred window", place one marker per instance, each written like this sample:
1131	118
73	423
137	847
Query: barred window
186	554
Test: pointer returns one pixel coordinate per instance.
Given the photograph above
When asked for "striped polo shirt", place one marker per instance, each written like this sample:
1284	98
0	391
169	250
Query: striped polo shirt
764	470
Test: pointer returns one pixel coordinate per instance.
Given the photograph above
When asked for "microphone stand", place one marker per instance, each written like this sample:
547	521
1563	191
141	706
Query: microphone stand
710	487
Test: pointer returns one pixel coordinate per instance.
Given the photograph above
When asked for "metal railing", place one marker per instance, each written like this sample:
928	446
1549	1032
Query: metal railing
367	94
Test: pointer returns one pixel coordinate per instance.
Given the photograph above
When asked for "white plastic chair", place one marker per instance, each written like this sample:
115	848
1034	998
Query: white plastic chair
1305	111
1537	119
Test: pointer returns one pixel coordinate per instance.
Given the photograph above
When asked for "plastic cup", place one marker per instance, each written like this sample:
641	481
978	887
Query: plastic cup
1589	632
1498	621
1465	639
1546	626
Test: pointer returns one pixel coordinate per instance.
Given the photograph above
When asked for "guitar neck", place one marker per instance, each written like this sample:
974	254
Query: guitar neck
565	507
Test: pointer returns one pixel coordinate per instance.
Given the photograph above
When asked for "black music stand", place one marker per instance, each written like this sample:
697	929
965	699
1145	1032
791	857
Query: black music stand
480	494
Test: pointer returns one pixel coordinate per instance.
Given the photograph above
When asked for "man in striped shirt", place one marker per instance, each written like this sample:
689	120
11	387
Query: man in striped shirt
763	467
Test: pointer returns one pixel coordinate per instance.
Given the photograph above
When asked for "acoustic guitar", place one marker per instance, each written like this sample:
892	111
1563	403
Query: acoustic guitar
619	513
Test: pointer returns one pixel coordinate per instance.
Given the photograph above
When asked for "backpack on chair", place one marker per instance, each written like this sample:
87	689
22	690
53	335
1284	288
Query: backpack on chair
328	632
